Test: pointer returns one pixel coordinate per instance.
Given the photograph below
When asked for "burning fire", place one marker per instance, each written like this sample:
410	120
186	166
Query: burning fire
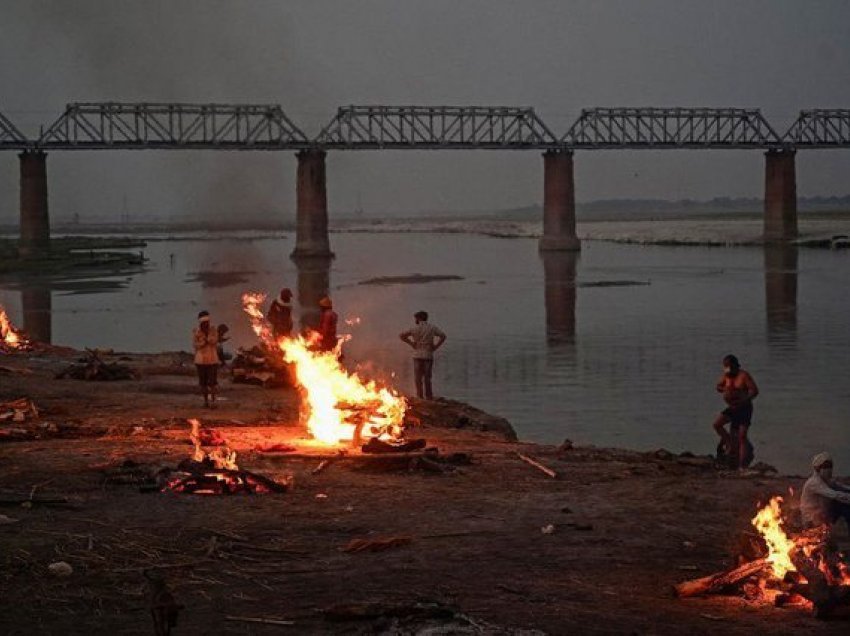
768	521
336	405
9	336
221	458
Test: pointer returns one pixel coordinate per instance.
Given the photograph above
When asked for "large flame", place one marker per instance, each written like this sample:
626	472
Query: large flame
221	458
9	336
337	405
768	521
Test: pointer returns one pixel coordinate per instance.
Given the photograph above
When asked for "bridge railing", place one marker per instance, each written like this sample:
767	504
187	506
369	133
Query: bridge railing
436	127
173	126
10	136
600	128
820	128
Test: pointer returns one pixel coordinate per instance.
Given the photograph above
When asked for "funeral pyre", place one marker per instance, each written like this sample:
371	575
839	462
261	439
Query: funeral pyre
801	569
336	405
10	337
216	472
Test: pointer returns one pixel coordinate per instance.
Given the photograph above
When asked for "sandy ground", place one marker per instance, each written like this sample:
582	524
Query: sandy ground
626	526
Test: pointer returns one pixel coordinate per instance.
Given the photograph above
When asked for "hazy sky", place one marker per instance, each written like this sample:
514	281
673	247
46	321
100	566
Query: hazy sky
314	56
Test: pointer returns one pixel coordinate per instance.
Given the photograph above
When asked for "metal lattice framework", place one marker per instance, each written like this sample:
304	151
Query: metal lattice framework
436	127
173	126
599	128
820	129
10	136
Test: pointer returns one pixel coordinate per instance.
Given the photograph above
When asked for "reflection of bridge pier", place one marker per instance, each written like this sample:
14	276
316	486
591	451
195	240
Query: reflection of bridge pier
780	289
559	279
36	304
314	274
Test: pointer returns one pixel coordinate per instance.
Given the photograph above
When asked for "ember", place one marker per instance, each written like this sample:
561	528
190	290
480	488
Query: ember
10	338
336	405
801	569
217	473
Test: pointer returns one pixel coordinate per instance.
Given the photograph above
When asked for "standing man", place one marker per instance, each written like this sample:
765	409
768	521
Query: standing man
425	339
824	501
205	342
739	390
280	314
327	325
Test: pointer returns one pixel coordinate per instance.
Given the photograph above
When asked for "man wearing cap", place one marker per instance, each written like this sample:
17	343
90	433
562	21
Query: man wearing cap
824	500
327	325
205	342
280	314
425	339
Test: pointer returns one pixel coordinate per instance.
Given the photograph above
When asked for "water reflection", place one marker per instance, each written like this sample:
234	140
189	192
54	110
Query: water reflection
37	303
559	276
314	274
780	289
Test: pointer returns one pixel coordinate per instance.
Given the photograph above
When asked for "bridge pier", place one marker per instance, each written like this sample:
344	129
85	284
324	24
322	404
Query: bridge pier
780	196
35	223
559	203
311	228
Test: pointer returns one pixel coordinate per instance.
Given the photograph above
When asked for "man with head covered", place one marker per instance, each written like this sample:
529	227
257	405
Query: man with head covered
824	500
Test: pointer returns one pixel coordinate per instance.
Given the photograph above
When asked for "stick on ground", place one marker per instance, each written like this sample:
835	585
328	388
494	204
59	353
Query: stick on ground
532	462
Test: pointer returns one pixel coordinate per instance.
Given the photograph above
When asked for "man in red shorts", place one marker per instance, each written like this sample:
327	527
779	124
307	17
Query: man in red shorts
739	390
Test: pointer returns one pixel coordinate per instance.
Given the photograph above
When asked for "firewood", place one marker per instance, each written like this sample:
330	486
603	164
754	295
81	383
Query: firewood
322	465
264	621
715	582
532	462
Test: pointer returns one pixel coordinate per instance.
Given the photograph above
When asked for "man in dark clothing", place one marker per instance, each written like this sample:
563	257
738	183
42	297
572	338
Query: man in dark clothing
280	314
327	325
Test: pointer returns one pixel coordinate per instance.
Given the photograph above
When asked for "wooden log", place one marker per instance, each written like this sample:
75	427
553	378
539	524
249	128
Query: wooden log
533	462
264	621
714	583
322	465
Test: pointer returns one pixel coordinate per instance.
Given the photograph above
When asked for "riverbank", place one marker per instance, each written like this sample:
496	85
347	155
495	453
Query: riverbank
594	550
815	229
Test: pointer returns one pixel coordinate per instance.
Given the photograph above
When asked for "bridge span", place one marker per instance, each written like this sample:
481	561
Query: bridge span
266	127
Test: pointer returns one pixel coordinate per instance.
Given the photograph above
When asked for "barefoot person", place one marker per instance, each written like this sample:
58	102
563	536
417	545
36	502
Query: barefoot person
739	390
425	339
824	501
205	341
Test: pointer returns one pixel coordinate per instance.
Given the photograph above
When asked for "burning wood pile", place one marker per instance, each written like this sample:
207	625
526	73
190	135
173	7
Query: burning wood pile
19	410
803	570
216	472
11	339
92	367
336	405
257	366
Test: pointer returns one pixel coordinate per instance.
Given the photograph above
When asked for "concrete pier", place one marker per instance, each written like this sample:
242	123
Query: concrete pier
314	281
559	204
780	196
37	305
311	231
35	223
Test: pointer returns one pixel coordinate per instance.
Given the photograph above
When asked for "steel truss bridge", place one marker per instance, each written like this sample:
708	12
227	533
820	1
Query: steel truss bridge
136	126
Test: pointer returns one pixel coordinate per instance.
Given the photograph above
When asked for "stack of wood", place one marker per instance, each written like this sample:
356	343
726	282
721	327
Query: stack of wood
257	366
821	580
92	367
203	478
20	410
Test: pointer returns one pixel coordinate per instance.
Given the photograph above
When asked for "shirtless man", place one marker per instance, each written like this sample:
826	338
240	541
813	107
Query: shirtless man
739	390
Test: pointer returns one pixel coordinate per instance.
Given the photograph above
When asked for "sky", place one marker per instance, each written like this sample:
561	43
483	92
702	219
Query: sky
313	56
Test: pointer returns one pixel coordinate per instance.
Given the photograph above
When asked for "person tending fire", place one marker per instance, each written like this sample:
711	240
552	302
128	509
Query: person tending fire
739	390
327	325
280	314
205	342
823	500
425	339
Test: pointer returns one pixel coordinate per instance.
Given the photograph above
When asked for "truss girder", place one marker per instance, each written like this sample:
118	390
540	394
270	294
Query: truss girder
10	136
823	128
599	128
436	127
173	126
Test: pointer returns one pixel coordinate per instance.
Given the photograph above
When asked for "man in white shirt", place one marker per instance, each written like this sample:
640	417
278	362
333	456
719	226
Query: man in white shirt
425	339
823	500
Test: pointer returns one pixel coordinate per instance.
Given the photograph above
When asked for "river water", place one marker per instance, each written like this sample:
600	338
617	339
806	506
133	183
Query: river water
620	345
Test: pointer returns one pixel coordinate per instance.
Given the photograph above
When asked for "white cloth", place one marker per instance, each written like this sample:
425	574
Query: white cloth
423	336
817	497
